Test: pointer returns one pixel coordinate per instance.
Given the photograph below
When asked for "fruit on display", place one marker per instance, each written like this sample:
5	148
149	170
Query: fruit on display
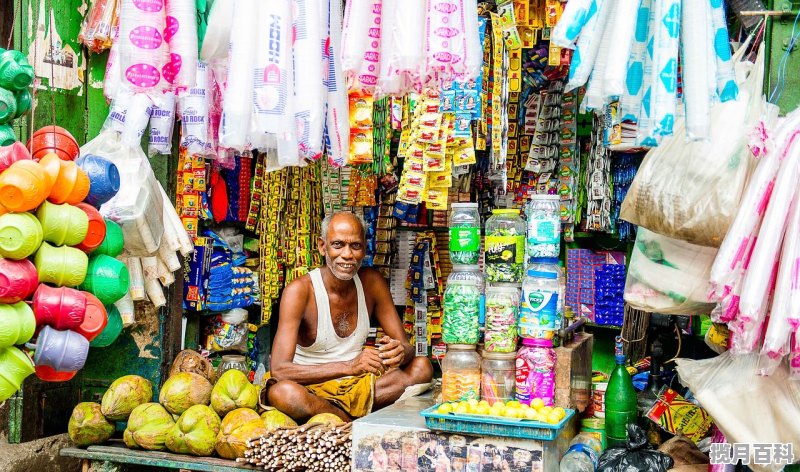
274	418
233	390
511	409
148	426
238	427
124	395
195	432
88	426
325	418
184	390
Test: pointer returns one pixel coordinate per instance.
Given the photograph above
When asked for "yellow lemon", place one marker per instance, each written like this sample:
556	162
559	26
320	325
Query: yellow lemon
497	409
513	403
483	410
462	404
472	402
531	414
553	418
561	412
484	403
525	407
546	410
444	408
461	409
510	412
537	403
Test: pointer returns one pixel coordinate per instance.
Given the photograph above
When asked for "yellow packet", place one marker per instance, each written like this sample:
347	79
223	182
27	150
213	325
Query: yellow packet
442	179
360	105
433	164
464	155
436	198
417	180
360	146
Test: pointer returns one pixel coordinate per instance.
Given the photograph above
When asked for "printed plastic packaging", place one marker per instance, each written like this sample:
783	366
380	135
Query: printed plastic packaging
536	377
162	122
181	35
143	50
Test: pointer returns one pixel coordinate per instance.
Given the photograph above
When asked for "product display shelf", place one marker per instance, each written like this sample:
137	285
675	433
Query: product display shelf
101	457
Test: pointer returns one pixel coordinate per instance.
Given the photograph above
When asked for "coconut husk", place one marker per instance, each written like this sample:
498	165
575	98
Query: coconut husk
190	361
683	451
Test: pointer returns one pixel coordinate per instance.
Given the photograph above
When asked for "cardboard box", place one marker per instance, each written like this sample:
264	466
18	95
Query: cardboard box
195	275
574	372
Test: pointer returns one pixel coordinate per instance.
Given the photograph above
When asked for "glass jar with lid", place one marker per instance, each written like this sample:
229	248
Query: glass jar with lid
461	373
232	361
505	246
541	307
465	233
544	229
462	305
502	312
498	376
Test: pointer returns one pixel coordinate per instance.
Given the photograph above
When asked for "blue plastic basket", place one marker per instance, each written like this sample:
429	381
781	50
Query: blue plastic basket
493	426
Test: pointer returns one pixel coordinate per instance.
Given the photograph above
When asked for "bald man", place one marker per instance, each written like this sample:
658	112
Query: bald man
319	363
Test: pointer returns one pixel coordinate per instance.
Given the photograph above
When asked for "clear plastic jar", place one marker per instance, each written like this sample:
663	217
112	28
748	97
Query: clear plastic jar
461	373
498	376
465	233
544	229
232	361
502	312
541	307
505	246
536	371
462	305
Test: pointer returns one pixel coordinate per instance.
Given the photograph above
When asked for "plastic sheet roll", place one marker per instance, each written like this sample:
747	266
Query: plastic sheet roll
162	122
631	99
165	276
409	38
193	113
438	45
113	77
458	41
695	22
136	119
355	35
576	14
583	58
665	67
217	40
181	35
337	125
172	219
711	58
389	82
626	16
726	79
238	97
370	66
155	293
310	97
169	258
474	56
142	47
595	98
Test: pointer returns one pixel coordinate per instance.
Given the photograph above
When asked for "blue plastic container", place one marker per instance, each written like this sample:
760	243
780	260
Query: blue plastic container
104	178
483	425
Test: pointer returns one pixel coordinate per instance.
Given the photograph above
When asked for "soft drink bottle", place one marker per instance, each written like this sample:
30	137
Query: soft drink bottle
583	454
620	401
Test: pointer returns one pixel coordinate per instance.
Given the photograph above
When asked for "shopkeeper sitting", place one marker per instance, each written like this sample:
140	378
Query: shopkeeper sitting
319	362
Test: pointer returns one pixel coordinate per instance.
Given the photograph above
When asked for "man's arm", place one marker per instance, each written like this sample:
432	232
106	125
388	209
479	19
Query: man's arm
292	307
389	321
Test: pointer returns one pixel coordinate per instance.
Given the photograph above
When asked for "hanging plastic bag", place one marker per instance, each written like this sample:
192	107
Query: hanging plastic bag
595	98
181	35
665	68
674	195
746	407
162	122
626	17
194	114
356	35
727	89
695	22
310	96
630	102
583	58
668	276
571	22
143	51
634	456
337	122
96	27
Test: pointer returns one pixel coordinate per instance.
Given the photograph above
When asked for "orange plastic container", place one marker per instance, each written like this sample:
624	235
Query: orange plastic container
24	186
53	139
70	183
97	229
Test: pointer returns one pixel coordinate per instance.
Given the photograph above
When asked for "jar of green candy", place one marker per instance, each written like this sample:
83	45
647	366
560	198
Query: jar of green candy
505	246
462	305
465	233
502	310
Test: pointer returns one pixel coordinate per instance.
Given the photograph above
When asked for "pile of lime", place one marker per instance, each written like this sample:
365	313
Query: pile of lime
536	411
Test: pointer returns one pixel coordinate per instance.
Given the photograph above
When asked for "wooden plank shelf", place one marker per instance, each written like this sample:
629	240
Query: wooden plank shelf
119	454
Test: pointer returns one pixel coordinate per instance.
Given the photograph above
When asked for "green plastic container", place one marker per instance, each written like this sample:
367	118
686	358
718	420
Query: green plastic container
8	106
106	278
17	324
113	242
24	102
63	225
112	330
15	366
62	266
20	235
7	136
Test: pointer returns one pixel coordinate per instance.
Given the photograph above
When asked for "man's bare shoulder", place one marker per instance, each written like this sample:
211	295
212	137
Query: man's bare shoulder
298	289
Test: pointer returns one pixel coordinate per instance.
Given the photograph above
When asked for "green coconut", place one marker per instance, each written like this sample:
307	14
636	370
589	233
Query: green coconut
195	432
125	394
233	390
183	390
88	426
274	418
238	427
148	426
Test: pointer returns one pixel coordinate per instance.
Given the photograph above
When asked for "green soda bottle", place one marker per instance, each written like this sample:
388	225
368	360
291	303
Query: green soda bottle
620	401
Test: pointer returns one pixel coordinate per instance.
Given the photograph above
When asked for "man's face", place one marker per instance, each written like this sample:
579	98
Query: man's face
344	248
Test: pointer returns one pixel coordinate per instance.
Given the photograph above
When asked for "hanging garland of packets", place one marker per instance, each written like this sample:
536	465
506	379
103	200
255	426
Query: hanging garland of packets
422	319
291	213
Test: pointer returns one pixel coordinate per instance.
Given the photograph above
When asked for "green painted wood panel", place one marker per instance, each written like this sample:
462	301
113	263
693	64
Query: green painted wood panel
779	32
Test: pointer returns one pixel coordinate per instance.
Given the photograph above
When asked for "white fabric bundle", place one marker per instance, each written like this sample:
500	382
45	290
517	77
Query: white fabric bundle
595	98
142	49
726	81
238	97
337	125
583	59
181	35
665	67
631	100
626	16
310	97
162	121
193	112
696	23
572	21
355	35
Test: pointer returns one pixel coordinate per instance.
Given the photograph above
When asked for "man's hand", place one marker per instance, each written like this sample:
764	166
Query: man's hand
391	352
368	361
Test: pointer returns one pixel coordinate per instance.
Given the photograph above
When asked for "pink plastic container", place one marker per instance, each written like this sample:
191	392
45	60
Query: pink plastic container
62	307
18	280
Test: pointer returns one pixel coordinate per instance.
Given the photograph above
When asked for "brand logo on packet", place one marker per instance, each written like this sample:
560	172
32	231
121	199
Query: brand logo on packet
145	37
143	75
170	70
445	7
446	32
443	56
172	28
149	5
274	50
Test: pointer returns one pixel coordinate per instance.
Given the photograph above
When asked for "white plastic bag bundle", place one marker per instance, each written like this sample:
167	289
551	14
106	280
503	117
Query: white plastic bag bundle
142	51
118	110
747	408
113	77
162	122
665	67
181	35
785	311
355	35
137	207
337	124
216	42
409	39
473	58
237	105
668	275
583	59
695	24
193	113
626	16
389	81
136	119
370	66
438	45
630	102
458	40
726	82
310	97
576	14
595	98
